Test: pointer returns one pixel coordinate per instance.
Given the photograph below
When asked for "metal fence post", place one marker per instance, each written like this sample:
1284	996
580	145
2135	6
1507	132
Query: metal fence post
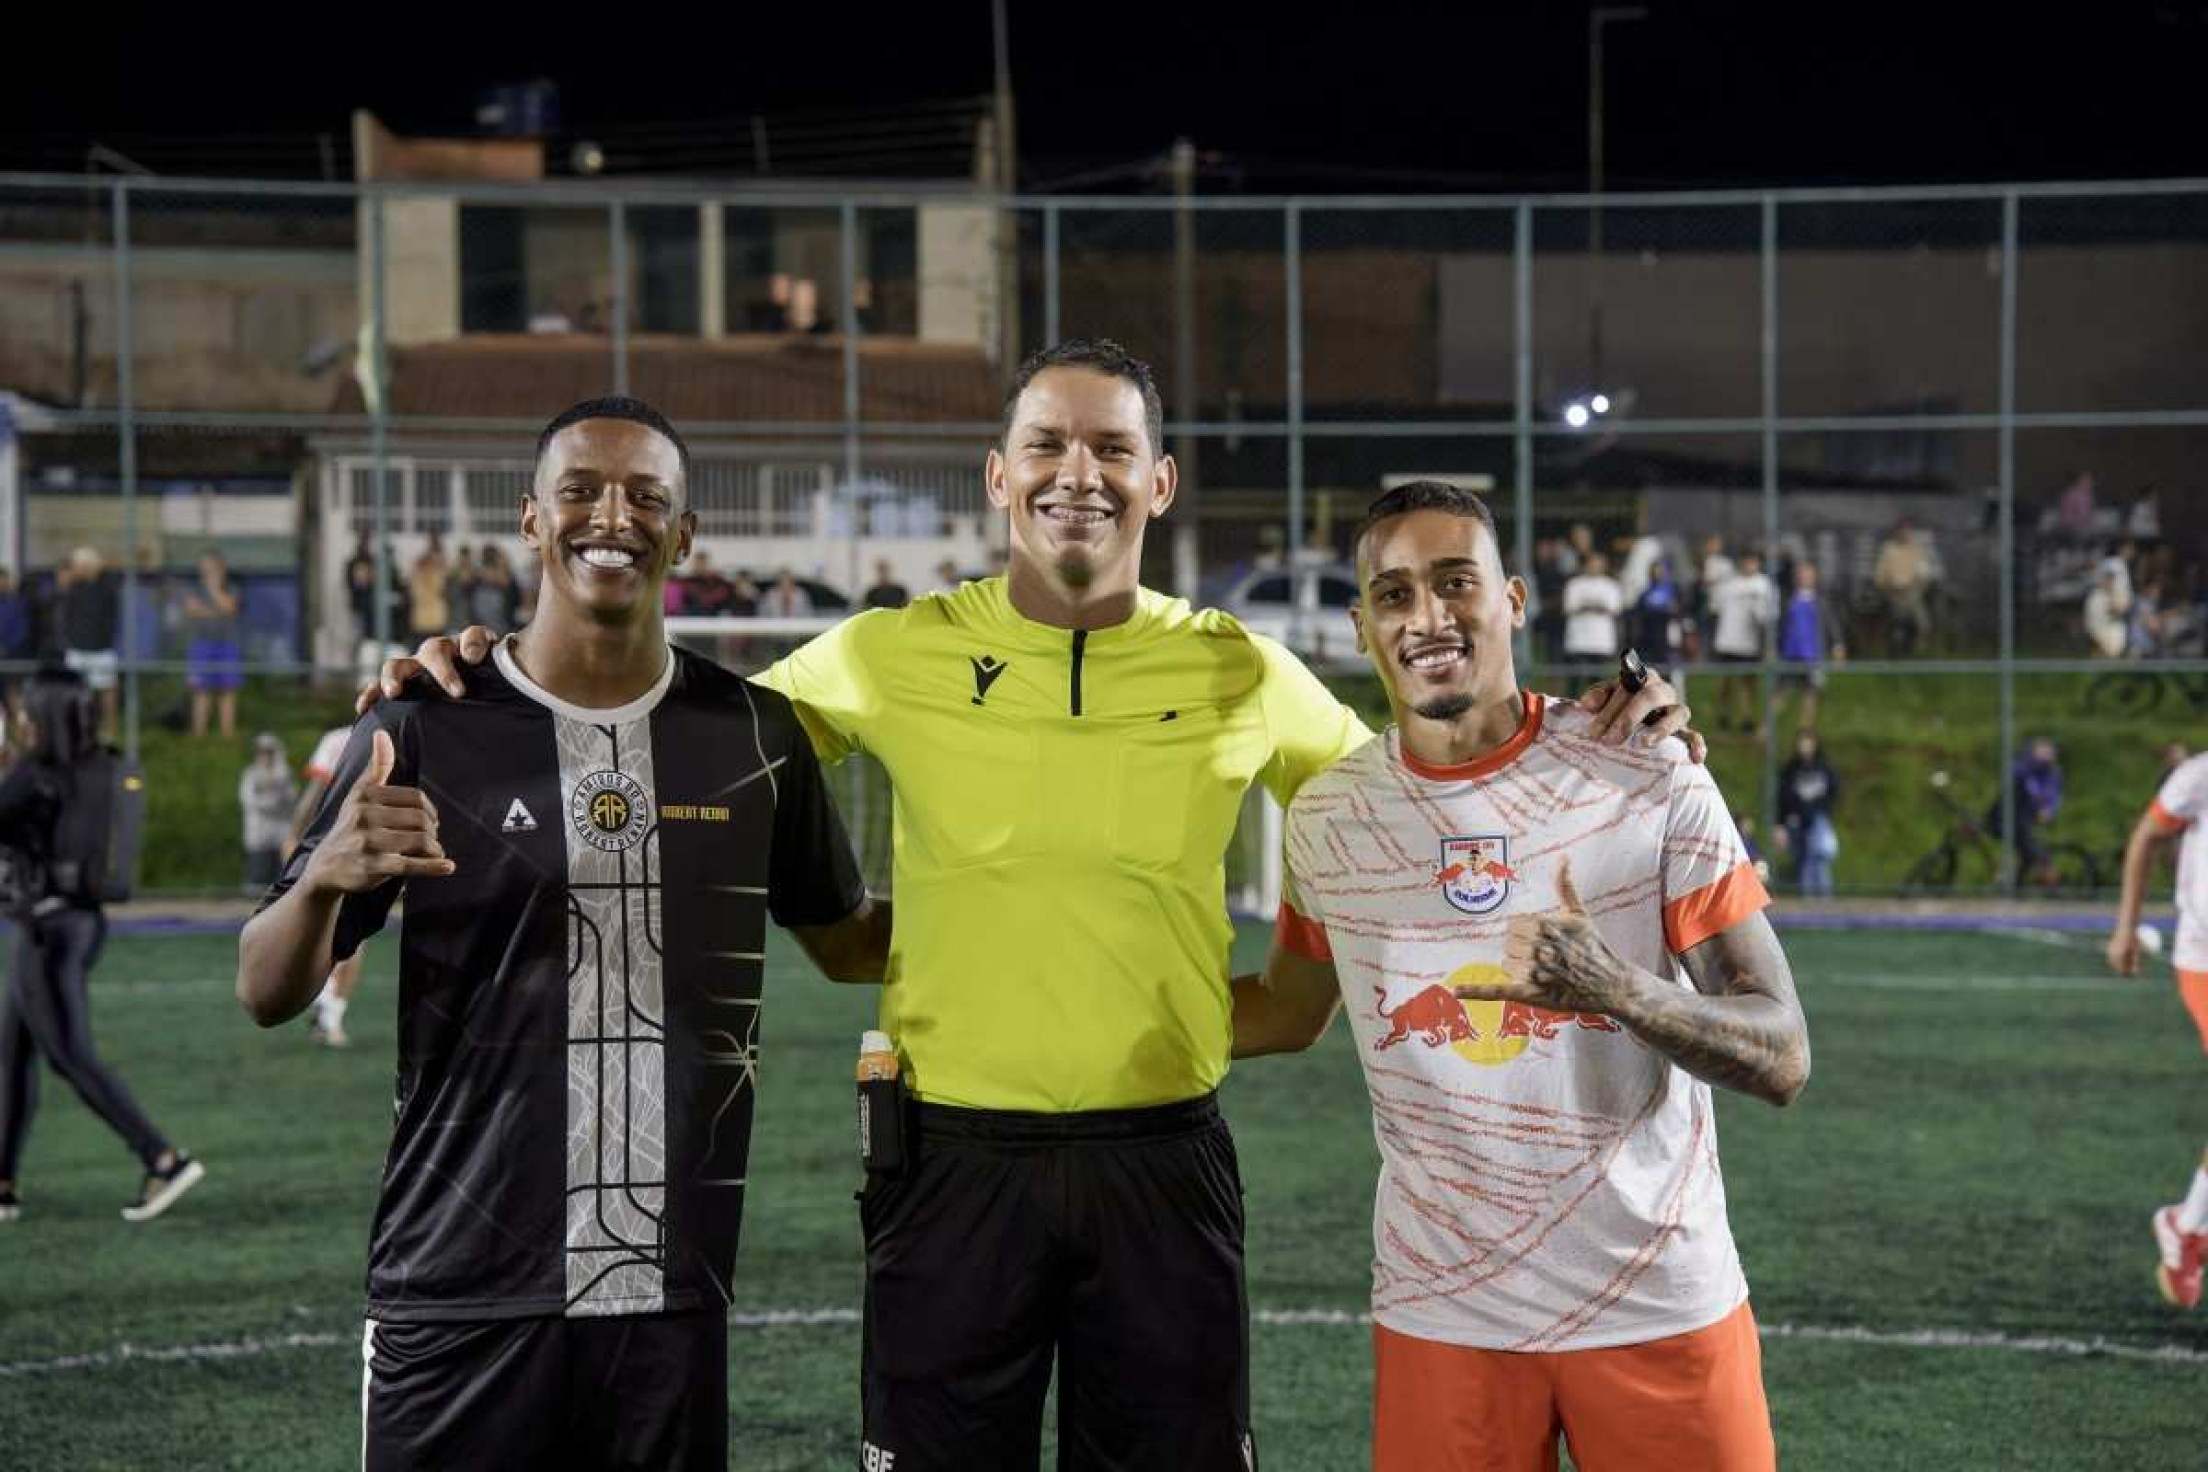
847	268
126	445
618	226
1521	439
2007	551
1767	778
1292	260
378	394
1050	274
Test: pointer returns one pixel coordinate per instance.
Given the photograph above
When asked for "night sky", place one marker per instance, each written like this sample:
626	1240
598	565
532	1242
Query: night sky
1365	97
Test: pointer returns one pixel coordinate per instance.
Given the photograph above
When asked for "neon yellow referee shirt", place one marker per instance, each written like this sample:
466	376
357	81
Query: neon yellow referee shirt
1063	803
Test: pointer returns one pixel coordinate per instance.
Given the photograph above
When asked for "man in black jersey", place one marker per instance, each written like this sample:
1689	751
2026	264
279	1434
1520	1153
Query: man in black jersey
591	844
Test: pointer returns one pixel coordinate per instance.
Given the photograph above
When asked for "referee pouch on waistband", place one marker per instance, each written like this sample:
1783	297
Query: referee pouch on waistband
886	1127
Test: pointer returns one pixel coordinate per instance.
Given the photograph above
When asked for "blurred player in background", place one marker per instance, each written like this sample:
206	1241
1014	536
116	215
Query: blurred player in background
328	1025
579	990
59	932
2180	1230
1551	1247
1069	752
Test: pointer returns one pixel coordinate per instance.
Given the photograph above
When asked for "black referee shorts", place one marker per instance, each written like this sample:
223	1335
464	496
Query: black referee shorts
1110	1239
629	1391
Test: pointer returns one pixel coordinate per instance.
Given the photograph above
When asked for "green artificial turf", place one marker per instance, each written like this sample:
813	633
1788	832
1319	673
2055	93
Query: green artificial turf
1990	1123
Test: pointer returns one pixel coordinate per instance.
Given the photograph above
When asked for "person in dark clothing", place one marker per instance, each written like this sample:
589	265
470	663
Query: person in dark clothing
90	610
886	592
57	939
1808	789
2037	778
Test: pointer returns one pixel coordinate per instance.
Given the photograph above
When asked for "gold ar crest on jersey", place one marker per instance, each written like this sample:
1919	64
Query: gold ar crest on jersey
610	810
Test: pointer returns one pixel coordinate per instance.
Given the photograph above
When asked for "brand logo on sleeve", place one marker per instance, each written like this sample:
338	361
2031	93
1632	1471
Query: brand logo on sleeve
1475	873
610	810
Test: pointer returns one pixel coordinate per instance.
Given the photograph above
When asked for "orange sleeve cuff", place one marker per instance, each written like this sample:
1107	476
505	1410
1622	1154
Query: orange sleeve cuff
1719	905
2166	820
1301	934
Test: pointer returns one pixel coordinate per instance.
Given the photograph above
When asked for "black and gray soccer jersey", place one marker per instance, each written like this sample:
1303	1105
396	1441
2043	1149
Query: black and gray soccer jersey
579	1001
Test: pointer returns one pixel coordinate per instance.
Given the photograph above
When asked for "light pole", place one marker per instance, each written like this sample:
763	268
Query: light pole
1597	18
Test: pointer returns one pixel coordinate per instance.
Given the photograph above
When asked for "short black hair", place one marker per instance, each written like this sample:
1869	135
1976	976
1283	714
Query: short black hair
1099	355
1427	495
616	406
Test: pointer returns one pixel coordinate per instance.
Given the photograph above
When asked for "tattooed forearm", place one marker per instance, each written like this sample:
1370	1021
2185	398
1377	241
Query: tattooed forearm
1742	1027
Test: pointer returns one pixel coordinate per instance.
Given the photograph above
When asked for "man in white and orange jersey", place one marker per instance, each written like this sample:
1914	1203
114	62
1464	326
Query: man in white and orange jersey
1550	947
2181	1229
328	1027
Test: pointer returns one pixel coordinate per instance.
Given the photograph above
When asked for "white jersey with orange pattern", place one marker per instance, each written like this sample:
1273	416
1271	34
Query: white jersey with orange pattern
1547	1181
328	752
2179	807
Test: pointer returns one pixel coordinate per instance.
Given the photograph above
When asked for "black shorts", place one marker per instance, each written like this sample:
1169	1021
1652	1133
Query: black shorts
633	1391
1111	1240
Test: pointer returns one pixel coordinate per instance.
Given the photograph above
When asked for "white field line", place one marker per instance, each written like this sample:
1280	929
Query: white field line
2057	1346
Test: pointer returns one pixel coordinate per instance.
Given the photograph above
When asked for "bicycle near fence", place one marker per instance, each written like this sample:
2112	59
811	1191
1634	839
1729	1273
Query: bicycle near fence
1971	855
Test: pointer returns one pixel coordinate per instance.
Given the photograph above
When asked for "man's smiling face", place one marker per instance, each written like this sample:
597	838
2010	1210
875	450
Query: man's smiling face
1079	476
1435	612
608	516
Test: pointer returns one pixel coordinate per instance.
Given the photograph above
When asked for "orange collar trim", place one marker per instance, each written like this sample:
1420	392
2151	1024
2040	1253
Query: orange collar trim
1480	766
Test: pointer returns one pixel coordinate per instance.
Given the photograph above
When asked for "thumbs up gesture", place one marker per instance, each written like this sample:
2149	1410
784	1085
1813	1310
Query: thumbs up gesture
1558	960
382	833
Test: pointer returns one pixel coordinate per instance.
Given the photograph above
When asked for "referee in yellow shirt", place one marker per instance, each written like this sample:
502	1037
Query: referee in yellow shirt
1068	752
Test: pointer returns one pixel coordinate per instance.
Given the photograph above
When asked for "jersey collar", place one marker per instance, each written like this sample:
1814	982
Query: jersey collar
1147	604
1486	764
637	709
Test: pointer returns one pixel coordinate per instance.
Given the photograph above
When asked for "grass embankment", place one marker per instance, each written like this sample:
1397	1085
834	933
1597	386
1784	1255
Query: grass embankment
1884	734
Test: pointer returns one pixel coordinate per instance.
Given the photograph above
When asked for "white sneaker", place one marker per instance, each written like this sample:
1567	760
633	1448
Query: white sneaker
163	1187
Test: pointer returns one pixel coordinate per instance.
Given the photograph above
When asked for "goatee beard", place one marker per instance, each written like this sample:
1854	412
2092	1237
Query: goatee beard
1444	707
1075	570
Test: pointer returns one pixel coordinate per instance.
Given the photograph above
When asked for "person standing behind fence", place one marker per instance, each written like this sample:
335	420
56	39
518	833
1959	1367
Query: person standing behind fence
491	599
213	662
1808	789
428	595
15	630
1808	636
1903	577
1592	603
266	793
59	929
89	606
785	599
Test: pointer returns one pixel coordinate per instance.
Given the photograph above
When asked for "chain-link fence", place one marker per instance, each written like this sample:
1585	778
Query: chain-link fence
1959	429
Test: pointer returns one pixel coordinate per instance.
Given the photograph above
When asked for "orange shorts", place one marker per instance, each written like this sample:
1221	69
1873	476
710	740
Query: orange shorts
1689	1403
2193	987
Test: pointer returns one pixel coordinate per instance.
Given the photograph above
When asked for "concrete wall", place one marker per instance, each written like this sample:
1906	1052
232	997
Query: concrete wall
214	329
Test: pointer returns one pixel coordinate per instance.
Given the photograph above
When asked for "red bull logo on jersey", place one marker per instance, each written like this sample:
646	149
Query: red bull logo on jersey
1475	872
1434	1016
1487	1032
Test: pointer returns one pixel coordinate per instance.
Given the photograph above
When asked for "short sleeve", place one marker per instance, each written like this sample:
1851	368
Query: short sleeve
1709	883
812	877
831	682
1309	729
2183	796
359	916
322	764
1298	929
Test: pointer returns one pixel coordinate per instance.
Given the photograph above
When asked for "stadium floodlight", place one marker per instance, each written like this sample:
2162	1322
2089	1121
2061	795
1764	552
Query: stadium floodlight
1576	415
1600	403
